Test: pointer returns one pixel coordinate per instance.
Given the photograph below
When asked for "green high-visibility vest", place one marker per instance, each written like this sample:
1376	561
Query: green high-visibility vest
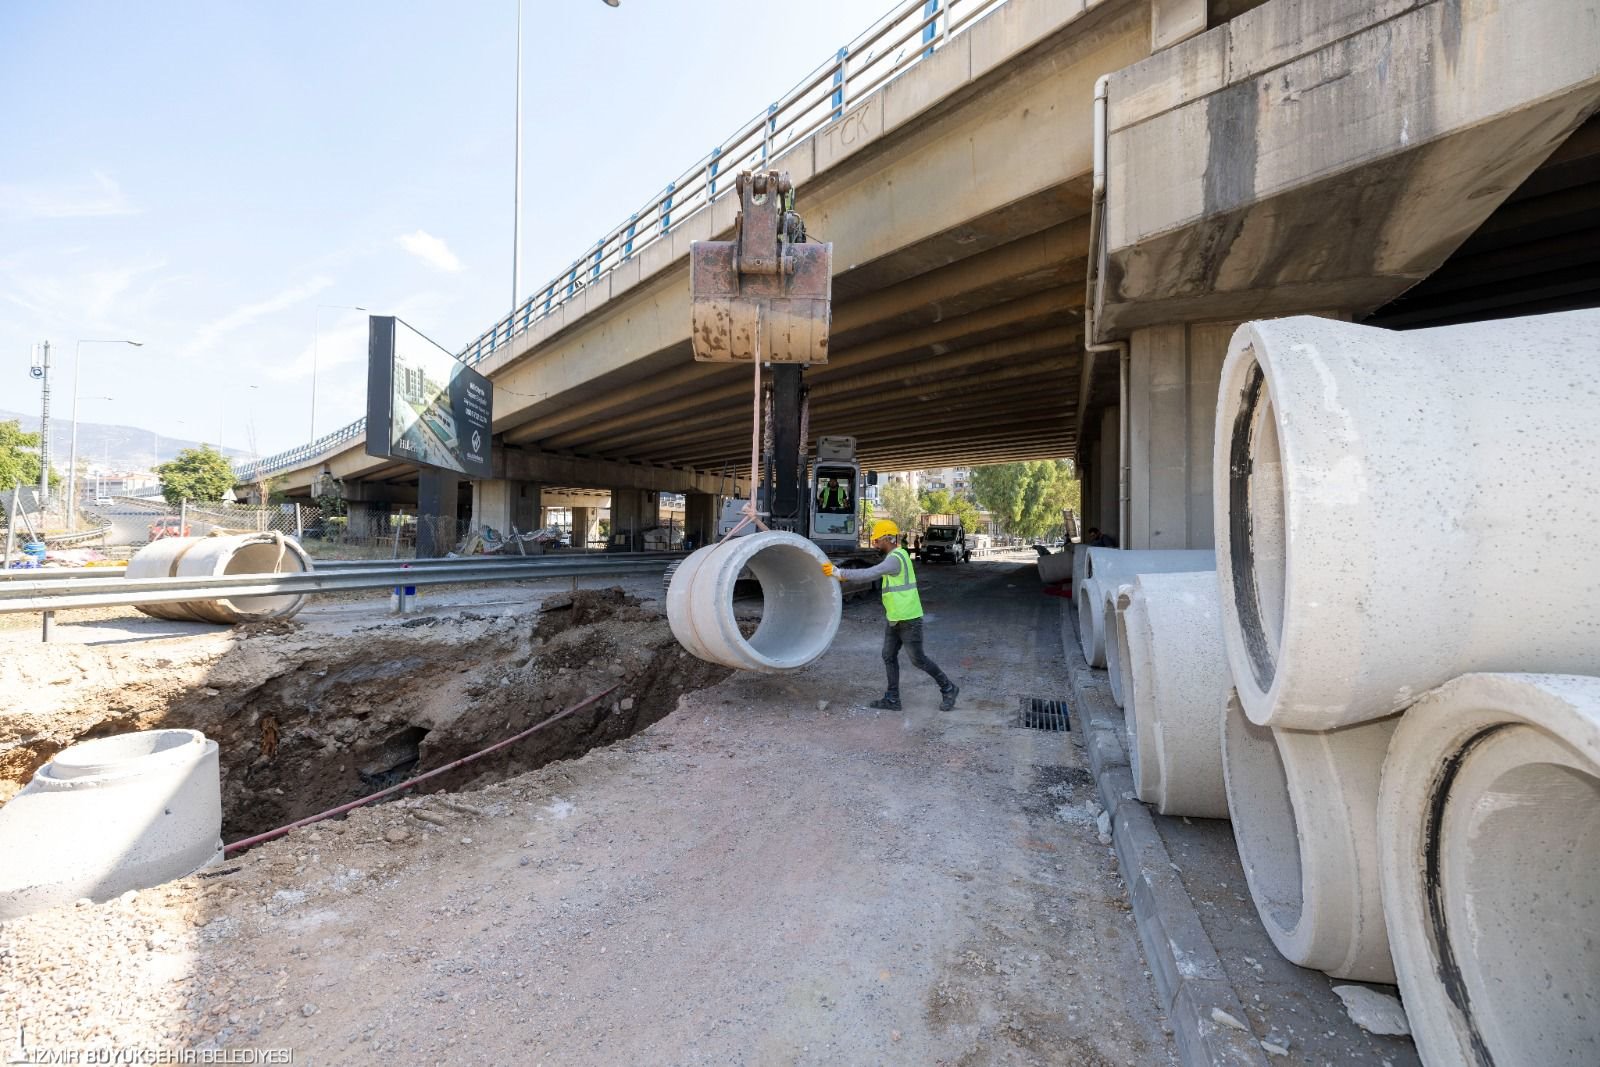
900	599
833	496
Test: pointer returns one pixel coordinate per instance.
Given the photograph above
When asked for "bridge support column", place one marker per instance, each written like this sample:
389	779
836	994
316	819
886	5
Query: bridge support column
366	519
1097	460
585	526
700	514
1173	373
633	511
502	503
438	499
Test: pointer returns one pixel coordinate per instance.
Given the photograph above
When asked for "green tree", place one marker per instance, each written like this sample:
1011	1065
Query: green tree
901	504
943	502
19	457
200	475
1027	499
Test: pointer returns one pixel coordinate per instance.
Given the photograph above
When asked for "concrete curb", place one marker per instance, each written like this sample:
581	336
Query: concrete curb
1190	981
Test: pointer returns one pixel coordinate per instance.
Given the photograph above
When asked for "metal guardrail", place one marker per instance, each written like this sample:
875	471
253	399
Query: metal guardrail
908	33
51	574
60	595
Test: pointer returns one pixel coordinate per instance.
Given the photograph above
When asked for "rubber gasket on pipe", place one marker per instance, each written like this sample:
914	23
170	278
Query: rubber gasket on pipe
109	815
1111	567
1489	848
800	611
1373	492
1180	688
1304	810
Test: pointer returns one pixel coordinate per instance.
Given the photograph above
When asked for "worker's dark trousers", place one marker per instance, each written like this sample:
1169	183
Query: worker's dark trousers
909	634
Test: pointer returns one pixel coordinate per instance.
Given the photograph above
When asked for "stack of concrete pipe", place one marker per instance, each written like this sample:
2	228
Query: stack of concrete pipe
1105	571
800	606
1410	611
213	557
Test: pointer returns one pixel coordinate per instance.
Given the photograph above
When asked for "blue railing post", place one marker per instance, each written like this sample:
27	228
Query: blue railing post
627	242
666	209
549	295
838	81
572	281
929	8
711	182
599	250
771	131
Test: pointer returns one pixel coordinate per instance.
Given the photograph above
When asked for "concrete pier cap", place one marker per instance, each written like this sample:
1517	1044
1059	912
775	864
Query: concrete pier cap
800	606
1375	496
109	815
1488	846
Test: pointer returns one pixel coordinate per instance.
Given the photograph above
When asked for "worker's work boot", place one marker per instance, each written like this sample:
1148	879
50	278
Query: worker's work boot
949	695
888	702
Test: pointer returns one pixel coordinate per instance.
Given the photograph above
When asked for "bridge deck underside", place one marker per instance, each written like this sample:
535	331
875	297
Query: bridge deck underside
973	360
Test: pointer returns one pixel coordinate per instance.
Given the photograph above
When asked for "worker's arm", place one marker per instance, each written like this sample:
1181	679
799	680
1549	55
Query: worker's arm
889	566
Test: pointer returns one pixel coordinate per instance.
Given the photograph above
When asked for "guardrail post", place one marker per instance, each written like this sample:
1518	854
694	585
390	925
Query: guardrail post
49	623
711	175
841	85
627	243
769	131
931	30
666	208
599	251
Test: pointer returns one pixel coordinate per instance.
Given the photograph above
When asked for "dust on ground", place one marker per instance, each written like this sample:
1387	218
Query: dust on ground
773	873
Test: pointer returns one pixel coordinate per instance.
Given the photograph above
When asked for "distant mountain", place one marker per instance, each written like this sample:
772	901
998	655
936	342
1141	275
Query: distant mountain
122	448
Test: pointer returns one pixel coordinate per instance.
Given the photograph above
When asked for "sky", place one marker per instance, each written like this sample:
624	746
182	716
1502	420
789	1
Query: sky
201	176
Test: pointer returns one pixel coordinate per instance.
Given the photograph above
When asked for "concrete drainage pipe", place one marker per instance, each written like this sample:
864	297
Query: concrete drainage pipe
1111	567
800	606
1373	492
1489	844
109	815
214	556
1304	810
1180	689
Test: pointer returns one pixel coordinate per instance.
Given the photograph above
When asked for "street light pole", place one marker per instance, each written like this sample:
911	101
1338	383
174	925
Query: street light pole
72	473
316	351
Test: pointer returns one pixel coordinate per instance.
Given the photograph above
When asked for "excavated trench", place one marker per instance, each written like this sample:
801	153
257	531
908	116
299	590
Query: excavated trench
306	722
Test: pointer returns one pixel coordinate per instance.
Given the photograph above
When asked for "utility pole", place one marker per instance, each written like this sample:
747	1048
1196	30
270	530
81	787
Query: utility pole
41	371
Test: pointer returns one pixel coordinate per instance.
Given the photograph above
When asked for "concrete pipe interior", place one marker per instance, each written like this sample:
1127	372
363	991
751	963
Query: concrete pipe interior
1090	636
796	599
135	753
263	557
1518	850
1258	534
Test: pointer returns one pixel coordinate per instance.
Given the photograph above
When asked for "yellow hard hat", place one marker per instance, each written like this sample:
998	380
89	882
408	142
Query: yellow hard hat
884	528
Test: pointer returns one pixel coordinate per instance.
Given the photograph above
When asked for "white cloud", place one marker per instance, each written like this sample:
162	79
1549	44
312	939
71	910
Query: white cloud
102	195
213	332
431	250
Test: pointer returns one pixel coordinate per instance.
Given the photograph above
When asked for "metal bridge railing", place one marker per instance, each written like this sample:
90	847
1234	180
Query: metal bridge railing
908	33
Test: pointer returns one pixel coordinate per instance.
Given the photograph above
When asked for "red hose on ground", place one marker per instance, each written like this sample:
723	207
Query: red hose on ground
342	808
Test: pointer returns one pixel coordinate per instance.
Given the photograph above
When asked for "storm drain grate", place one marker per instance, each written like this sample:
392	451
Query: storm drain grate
1042	713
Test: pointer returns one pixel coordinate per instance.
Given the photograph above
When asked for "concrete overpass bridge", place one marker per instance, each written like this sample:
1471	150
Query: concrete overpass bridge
1406	162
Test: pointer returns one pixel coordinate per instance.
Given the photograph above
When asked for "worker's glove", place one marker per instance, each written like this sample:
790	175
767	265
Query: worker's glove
829	569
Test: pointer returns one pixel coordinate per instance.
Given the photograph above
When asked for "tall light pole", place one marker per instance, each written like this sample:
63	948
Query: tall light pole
316	346
516	192
72	473
41	370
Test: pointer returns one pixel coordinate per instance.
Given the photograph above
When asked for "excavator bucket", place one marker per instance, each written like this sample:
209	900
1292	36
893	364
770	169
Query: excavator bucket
767	293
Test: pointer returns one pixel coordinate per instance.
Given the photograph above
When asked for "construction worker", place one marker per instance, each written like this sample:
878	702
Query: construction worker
903	608
833	498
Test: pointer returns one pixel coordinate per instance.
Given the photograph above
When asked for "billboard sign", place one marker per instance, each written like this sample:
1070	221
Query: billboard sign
424	405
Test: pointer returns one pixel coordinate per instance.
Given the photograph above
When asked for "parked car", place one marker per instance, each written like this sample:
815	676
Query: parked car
168	527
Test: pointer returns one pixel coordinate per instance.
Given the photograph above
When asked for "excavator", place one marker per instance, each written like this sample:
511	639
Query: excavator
765	299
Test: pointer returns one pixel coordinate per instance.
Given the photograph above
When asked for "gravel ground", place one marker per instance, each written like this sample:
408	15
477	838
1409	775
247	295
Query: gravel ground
772	874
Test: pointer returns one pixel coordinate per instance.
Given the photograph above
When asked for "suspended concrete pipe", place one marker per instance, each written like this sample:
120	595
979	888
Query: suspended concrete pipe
800	606
1178	673
1110	567
214	556
1304	807
1489	848
110	815
1394	510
